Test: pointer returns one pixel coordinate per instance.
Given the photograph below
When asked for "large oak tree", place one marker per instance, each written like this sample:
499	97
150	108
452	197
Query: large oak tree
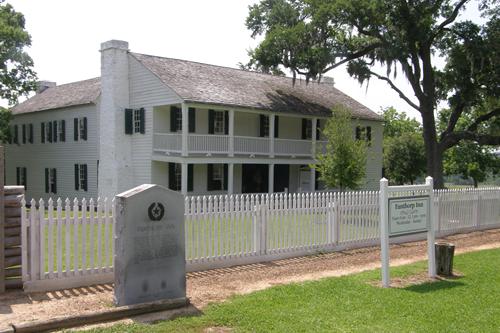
311	37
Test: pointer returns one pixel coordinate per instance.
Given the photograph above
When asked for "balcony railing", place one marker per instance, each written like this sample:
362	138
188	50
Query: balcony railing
246	145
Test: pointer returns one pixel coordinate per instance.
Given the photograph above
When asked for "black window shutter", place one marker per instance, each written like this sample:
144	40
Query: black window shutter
55	131
54	185
129	121
358	133
24	133
42	132
49	136
262	121
75	127
171	176
190	177
62	138
304	129
318	130
225	176
84	128
211	119
84	183
210	180
16	139
192	120
173	118
30	137
18	175
142	116
276	126
25	174
226	122
46	180
369	133
77	177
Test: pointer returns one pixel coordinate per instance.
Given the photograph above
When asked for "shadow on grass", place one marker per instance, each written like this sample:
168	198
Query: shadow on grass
434	286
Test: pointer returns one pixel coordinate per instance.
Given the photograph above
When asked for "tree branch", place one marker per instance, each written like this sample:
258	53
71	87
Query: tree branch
482	139
353	56
454	116
448	20
485	117
393	86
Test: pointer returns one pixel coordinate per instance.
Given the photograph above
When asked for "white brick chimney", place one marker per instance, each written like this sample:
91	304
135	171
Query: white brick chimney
115	160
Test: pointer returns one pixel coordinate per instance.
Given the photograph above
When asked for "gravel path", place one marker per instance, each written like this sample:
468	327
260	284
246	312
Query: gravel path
219	284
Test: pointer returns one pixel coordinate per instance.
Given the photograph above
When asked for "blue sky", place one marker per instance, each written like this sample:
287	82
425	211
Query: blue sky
66	36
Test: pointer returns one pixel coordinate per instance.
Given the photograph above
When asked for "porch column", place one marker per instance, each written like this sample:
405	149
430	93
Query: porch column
230	178
312	180
271	135
314	127
184	178
185	129
231	133
270	186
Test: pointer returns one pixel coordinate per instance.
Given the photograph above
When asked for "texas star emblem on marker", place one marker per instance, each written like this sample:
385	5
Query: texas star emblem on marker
156	211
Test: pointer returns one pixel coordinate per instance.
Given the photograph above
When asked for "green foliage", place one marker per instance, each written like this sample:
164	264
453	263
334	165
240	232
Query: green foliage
344	163
470	160
404	151
16	73
5	117
311	37
404	157
354	304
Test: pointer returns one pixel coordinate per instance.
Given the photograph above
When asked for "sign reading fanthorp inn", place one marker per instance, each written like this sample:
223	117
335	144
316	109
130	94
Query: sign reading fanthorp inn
408	215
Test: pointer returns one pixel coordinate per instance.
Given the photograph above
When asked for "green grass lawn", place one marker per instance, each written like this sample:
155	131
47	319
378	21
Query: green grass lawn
352	303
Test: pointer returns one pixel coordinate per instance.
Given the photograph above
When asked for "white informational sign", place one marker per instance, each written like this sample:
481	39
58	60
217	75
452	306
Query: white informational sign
400	215
408	215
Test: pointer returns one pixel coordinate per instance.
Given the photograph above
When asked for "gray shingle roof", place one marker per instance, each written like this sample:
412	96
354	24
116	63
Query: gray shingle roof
71	94
203	83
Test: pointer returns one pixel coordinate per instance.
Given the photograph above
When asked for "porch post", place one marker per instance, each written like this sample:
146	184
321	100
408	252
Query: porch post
230	178
184	178
313	136
231	133
312	181
185	127
271	135
270	186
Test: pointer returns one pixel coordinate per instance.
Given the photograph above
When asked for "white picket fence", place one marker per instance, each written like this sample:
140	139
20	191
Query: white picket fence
70	245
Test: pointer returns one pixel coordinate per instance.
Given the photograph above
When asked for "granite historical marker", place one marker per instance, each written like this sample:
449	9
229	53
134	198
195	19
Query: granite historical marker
149	260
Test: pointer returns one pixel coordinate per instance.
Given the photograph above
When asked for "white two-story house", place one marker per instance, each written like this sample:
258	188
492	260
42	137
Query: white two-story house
192	127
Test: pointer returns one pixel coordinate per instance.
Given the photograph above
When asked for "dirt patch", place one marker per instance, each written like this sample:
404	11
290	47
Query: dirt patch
219	284
416	279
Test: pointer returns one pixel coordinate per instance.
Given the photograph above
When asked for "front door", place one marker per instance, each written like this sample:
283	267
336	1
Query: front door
254	178
281	177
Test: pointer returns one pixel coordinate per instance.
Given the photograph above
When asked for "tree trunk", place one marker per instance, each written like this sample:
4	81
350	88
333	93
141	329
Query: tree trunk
444	258
433	151
475	182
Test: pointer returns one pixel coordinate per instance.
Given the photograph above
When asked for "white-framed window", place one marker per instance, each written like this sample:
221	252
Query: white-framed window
48	131
219	122
61	130
178	176
364	133
21	176
50	180
81	177
178	121
216	177
81	127
137	120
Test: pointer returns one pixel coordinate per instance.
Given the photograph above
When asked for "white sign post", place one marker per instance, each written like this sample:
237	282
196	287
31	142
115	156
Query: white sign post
405	215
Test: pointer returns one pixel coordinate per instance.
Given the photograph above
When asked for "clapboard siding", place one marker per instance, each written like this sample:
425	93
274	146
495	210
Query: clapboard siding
146	91
37	156
374	154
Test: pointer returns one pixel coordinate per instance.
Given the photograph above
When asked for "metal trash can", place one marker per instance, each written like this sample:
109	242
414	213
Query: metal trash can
444	258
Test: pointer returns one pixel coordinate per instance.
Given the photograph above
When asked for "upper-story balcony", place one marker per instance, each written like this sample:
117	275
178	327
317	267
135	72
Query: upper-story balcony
234	133
242	145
